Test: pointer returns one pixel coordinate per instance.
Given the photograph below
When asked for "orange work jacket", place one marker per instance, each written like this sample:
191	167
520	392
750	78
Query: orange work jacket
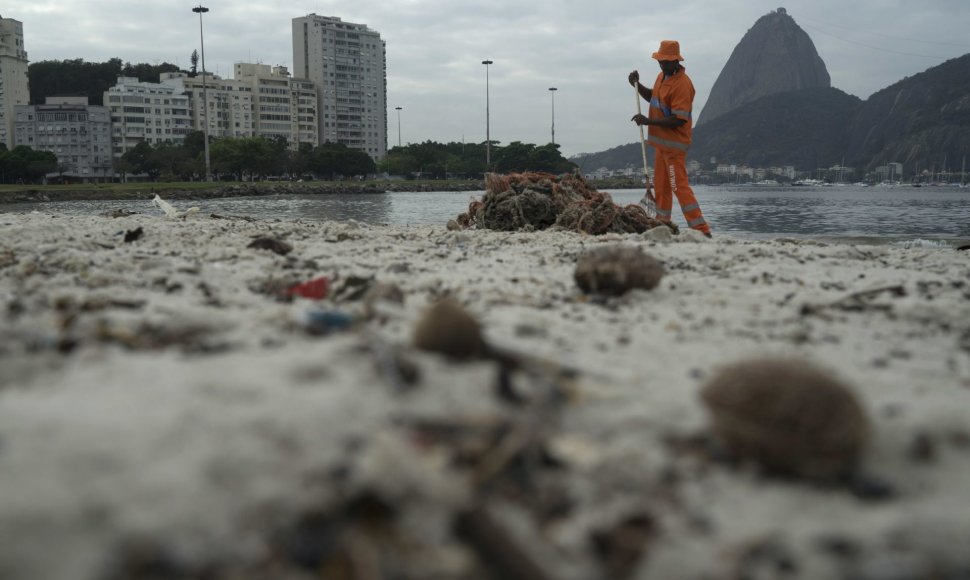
673	95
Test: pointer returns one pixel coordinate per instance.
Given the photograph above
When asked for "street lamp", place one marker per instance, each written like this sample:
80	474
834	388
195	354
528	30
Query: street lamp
488	137
398	109
552	93
200	10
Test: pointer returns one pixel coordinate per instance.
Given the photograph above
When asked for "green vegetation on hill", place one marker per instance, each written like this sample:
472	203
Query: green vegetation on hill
619	157
922	121
77	78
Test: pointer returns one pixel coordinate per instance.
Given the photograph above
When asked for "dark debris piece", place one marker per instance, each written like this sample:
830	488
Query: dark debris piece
132	235
275	245
857	301
495	548
621	547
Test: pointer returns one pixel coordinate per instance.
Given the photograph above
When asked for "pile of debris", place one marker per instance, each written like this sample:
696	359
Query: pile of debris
537	201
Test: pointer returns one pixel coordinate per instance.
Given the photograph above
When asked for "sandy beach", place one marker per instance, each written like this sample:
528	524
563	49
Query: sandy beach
169	410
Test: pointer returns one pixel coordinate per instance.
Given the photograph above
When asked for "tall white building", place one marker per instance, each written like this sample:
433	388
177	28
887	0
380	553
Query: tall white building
77	133
146	112
347	63
14	88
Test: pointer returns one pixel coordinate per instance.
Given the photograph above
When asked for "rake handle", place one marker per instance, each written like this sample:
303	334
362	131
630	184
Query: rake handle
643	145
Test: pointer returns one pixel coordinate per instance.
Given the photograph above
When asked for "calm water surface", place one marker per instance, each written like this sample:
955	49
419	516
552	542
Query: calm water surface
924	215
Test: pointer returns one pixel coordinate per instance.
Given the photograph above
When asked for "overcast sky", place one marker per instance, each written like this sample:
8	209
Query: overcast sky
585	48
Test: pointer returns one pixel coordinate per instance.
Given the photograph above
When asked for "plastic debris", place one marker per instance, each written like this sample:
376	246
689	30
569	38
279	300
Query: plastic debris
326	321
169	209
315	289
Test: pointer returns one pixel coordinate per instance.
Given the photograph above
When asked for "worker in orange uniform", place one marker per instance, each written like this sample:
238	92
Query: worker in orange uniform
670	122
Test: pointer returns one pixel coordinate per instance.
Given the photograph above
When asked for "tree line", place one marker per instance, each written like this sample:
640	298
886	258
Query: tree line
24	165
251	158
242	159
441	160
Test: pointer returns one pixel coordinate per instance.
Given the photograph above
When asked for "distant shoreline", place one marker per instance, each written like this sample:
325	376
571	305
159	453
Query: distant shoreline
147	190
201	190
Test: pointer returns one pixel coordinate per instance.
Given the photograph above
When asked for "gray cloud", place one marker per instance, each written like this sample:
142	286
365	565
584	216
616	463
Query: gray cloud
435	49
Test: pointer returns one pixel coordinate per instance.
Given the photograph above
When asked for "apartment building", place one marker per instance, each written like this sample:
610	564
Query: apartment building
79	135
14	89
282	107
146	112
347	64
229	104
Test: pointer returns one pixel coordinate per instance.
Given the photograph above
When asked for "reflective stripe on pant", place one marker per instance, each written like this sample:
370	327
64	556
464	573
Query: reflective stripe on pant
670	179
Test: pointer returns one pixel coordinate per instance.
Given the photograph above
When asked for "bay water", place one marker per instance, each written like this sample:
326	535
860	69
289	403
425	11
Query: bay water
926	216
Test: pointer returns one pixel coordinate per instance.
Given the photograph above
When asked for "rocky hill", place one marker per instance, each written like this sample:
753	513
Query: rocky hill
774	56
807	128
923	121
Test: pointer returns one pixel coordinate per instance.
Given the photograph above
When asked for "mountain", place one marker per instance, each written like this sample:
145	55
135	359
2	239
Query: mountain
807	128
774	56
619	157
923	121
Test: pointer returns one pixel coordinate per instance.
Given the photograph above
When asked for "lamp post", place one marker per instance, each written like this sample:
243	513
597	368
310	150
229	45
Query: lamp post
552	93
488	137
200	10
398	109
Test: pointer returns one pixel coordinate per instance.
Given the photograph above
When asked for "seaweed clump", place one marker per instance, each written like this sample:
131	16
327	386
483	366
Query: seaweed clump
538	201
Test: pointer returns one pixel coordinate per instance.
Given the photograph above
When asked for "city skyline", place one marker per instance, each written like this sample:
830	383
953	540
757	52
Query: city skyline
434	51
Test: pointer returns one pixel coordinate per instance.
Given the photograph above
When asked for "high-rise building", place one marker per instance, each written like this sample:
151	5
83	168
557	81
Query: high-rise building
347	63
77	133
14	88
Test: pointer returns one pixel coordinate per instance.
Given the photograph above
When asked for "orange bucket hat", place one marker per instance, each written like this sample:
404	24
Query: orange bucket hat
669	50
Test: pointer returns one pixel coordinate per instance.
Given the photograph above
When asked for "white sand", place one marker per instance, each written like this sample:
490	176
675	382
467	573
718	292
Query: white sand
204	442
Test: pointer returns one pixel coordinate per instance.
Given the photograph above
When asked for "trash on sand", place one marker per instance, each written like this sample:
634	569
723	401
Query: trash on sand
622	546
315	289
449	329
119	213
170	211
274	245
132	235
614	270
325	321
788	416
540	200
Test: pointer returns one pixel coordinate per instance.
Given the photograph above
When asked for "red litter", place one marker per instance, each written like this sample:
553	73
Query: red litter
315	289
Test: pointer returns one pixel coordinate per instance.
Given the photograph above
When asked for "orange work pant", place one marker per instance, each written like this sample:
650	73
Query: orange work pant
670	179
